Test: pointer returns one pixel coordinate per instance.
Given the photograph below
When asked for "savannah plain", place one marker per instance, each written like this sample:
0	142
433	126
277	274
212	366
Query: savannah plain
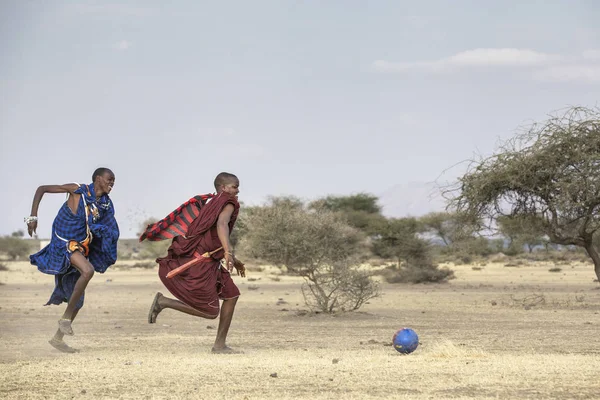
496	331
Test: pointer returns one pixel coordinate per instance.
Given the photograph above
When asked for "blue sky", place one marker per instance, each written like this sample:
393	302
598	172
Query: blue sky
305	98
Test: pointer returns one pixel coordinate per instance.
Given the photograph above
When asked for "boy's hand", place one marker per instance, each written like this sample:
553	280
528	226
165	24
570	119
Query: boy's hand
229	261
239	266
31	228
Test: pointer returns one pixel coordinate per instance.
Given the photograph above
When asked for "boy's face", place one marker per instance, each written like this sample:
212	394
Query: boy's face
232	187
105	182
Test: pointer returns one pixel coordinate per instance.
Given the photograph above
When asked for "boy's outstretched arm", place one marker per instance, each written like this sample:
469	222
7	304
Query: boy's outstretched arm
37	198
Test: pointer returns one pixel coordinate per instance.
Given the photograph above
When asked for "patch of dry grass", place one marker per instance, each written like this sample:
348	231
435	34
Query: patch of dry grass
469	349
447	349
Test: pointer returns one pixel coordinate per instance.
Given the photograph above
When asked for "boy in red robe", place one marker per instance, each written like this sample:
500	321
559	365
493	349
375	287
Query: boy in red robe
205	246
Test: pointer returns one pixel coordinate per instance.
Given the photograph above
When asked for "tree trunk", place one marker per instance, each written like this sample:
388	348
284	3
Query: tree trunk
595	256
446	242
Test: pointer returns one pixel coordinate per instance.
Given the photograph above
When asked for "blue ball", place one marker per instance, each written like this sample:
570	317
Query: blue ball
406	341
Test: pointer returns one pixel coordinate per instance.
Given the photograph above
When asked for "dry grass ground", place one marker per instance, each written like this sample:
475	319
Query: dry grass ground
498	332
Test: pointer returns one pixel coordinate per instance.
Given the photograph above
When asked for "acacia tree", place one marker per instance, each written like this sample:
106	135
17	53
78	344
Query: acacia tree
450	227
550	172
361	211
400	240
440	224
524	230
357	202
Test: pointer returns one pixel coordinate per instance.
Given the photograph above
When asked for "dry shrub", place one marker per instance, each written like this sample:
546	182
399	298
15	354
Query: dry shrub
516	263
528	301
3	267
316	245
555	269
558	257
338	287
465	259
417	274
498	258
15	248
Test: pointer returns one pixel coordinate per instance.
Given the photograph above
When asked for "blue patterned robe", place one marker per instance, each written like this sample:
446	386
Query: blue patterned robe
55	258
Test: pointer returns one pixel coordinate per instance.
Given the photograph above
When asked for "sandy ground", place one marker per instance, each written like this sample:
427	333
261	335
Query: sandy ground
499	332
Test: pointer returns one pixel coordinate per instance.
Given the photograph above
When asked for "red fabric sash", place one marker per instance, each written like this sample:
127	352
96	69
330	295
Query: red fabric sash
178	222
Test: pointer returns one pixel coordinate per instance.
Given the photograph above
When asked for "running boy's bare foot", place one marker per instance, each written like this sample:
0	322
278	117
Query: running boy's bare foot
64	325
155	308
62	346
225	350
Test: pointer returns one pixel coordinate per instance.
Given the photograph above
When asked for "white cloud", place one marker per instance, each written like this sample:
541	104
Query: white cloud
584	73
542	67
490	57
123	45
501	58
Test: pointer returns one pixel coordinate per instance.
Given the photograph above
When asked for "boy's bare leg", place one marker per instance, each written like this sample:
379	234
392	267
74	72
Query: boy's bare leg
227	309
57	340
161	302
87	272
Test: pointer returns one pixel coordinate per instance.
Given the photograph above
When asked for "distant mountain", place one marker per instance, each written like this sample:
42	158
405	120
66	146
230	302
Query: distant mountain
411	199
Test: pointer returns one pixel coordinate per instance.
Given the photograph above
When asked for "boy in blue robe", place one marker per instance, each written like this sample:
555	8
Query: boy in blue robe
84	240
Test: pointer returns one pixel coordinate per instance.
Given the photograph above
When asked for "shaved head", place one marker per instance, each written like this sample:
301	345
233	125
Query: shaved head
99	172
223	179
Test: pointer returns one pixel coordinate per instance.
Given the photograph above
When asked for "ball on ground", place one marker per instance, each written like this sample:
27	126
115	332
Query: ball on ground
406	341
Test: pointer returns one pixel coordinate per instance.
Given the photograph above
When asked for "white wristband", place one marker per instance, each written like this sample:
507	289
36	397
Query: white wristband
30	219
